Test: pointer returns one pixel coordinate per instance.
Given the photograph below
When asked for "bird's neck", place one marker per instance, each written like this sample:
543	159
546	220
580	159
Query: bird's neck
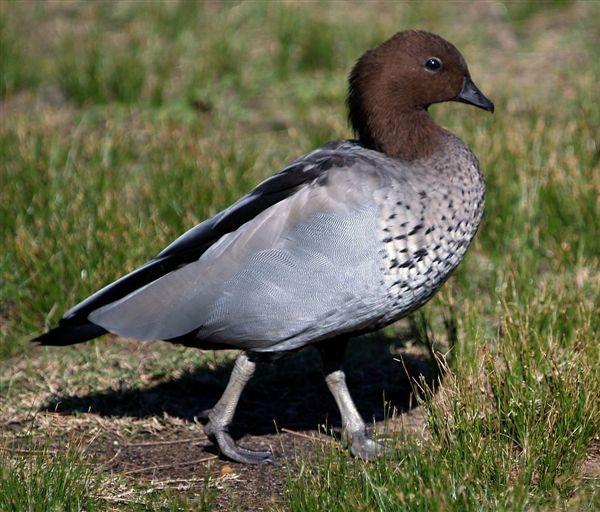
405	133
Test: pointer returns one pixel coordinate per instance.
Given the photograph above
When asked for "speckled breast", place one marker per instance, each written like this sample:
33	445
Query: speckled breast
426	224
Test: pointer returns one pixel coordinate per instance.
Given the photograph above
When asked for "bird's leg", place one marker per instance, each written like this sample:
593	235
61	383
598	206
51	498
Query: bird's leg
221	415
353	427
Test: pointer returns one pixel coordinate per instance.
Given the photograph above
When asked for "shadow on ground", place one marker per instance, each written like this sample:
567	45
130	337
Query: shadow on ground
288	393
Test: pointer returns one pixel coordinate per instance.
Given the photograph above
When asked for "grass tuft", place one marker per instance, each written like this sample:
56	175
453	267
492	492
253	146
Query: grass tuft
509	433
43	481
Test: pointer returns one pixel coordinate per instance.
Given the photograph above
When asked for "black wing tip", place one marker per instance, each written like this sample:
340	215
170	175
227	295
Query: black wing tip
69	334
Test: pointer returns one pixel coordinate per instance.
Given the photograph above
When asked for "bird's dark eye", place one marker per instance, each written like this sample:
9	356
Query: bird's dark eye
433	64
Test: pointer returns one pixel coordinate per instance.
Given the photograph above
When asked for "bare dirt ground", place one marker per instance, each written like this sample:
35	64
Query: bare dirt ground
139	422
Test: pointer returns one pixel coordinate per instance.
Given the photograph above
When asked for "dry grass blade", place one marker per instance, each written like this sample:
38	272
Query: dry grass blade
310	437
178	481
113	458
168	466
23	451
164	443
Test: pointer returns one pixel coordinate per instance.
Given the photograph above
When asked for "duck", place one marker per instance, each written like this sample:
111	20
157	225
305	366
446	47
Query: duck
343	241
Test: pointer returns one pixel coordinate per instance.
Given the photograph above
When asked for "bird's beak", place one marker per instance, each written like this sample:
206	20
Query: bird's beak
473	96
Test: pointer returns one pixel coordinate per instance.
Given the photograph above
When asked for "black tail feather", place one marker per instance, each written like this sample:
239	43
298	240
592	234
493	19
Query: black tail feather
70	333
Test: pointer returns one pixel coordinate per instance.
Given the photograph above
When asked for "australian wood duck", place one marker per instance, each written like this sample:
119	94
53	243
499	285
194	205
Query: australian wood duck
344	240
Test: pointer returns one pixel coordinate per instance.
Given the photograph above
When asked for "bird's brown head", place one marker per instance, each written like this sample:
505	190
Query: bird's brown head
392	85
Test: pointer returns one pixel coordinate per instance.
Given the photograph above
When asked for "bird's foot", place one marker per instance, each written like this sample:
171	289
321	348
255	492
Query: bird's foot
230	449
364	447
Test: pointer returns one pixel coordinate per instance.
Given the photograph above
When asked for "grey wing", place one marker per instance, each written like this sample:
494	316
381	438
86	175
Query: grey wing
192	244
305	268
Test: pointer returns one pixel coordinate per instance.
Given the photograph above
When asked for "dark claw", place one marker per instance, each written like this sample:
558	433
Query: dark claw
204	414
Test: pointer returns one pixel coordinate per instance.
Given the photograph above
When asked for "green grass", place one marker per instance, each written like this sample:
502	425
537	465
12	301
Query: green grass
41	482
125	123
507	431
